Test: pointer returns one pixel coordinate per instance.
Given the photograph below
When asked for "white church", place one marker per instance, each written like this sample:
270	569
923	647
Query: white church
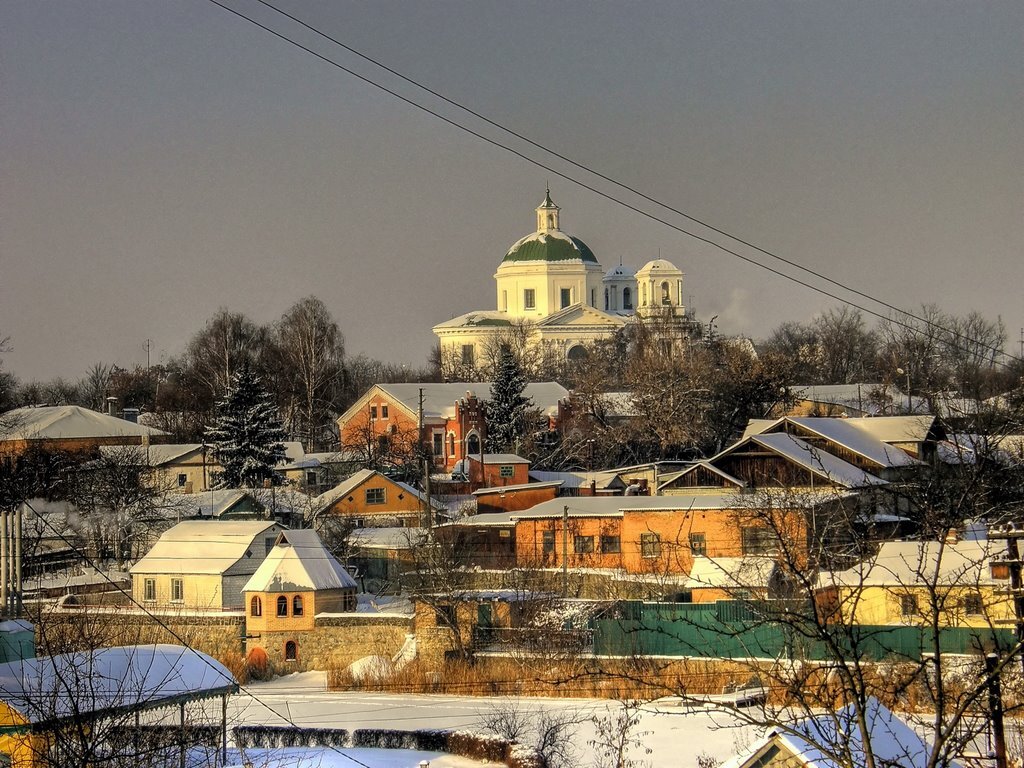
552	290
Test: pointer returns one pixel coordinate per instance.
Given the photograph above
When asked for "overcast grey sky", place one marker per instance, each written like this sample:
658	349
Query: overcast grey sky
159	160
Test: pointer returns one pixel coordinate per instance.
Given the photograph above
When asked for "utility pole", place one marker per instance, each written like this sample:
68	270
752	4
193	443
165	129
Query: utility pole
565	551
995	709
149	349
425	464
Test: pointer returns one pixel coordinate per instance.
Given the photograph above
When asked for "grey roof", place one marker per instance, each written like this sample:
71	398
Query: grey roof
207	547
840	472
299	562
63	422
49	689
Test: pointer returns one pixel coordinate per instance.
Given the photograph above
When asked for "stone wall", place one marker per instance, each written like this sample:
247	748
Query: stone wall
219	634
336	641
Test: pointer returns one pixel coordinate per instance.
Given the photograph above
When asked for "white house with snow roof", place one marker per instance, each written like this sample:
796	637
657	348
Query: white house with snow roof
202	564
551	284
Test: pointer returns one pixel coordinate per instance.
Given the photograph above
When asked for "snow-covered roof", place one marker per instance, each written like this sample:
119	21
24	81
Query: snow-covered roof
212	503
62	422
846	434
386	538
207	546
896	429
299	562
602	480
160	454
107	680
751	572
840	472
915	563
499	458
893	742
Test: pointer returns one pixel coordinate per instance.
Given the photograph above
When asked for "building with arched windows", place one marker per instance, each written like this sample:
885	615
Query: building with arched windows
551	291
298	580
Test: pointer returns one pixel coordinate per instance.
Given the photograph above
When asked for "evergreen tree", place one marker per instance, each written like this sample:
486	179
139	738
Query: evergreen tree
246	435
507	409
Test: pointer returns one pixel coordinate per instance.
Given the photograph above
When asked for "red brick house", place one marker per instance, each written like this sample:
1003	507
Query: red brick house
447	419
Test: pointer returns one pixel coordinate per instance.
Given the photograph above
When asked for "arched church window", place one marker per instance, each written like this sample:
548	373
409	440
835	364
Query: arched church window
291	651
643	295
473	444
627	298
577	352
256	606
451	443
606	306
551	220
666	299
297	605
282	606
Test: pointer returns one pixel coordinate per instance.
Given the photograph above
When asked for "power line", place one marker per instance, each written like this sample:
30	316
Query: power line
369	81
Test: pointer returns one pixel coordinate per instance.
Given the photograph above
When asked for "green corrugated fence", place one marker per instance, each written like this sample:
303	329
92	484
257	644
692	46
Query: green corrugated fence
735	629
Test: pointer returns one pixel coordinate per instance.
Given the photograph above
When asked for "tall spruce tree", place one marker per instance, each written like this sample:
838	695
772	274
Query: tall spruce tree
507	408
246	435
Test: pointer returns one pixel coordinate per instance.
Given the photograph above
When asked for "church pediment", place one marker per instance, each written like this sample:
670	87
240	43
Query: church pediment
581	314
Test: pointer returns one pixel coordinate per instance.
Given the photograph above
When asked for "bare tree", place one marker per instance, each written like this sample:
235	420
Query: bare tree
217	352
310	353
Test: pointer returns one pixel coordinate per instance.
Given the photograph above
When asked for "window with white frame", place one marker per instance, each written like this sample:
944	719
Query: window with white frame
375	496
177	590
529	298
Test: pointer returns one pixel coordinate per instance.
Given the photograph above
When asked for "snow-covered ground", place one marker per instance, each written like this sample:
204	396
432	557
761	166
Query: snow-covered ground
674	737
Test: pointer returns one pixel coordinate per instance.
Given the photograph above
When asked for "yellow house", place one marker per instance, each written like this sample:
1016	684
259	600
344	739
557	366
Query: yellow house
910	582
298	580
373	500
202	564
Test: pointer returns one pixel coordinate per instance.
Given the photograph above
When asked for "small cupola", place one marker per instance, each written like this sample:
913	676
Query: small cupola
547	214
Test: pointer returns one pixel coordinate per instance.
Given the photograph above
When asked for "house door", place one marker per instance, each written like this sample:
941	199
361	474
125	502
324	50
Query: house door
484	623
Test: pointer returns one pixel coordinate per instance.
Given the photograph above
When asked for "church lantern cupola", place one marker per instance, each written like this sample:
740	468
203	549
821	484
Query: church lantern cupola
547	214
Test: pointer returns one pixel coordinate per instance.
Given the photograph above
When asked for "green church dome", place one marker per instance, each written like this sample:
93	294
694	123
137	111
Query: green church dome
550	246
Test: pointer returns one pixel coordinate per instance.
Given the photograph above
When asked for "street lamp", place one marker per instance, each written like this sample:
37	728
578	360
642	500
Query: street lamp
910	402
